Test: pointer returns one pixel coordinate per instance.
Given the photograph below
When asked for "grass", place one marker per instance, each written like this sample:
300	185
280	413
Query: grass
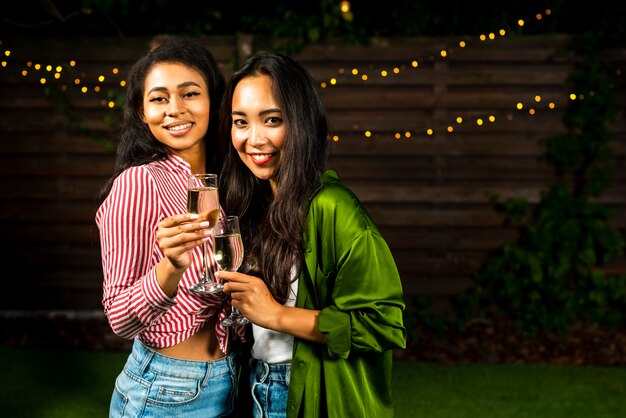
508	391
38	383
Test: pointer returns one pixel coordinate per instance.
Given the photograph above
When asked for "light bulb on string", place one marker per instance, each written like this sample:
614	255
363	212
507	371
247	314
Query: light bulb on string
443	53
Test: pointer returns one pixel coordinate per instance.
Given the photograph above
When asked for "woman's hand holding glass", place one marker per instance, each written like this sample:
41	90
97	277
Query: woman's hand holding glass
177	236
250	295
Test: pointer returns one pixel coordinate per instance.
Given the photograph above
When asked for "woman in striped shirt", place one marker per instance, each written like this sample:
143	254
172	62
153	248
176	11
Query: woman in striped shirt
181	363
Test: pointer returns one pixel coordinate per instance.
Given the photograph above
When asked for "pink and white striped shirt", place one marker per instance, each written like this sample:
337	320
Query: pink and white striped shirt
133	301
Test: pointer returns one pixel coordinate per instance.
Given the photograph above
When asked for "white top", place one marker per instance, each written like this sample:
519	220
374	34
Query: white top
271	346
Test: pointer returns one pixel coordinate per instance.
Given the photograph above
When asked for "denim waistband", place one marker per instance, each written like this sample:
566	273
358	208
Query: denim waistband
265	371
146	358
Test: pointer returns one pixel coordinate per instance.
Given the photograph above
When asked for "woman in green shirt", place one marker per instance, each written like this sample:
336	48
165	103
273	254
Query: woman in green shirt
328	310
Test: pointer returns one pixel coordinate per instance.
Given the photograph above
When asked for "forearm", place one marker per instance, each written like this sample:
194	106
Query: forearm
168	277
301	323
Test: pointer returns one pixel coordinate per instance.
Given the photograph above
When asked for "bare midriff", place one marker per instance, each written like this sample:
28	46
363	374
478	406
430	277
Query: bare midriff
202	346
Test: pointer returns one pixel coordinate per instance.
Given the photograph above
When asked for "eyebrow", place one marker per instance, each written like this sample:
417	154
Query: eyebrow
180	86
261	113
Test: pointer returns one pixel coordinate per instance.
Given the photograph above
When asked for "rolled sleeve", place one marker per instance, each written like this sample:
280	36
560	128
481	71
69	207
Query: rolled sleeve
335	325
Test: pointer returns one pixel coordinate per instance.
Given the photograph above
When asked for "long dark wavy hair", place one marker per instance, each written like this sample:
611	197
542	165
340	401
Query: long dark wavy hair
137	145
273	225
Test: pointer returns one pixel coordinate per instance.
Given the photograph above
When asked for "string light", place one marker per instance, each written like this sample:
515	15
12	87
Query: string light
479	121
61	72
443	53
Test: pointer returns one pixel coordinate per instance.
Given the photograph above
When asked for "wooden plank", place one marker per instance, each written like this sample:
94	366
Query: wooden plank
445	168
477	143
469	145
390	193
45	298
394	216
66	258
398	50
464	74
24	210
57	142
52	233
474	193
451	264
454	216
413	238
61	166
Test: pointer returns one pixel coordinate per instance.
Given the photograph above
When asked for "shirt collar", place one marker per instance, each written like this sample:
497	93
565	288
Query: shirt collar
175	163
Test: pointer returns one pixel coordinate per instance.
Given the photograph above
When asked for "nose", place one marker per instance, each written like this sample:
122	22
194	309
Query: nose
175	106
256	137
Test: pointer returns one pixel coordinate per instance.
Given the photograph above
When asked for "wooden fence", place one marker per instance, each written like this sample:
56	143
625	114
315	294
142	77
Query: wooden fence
429	193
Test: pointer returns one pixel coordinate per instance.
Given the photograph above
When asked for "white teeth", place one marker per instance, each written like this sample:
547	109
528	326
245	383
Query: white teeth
179	127
260	157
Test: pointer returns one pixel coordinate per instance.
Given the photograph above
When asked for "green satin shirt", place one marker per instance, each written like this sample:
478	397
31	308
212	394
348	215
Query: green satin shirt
350	275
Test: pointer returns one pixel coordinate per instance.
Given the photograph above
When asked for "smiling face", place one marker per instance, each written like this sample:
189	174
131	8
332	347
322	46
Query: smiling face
176	108
258	130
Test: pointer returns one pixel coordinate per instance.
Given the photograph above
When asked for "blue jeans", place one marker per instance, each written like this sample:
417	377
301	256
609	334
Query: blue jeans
269	384
154	385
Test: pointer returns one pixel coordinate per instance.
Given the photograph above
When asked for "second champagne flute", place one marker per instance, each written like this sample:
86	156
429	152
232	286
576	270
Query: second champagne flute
203	199
229	255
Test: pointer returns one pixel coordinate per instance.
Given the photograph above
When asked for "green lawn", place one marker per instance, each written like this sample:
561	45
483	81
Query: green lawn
72	384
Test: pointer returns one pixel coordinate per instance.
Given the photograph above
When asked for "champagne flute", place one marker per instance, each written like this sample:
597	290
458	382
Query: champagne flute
229	255
203	199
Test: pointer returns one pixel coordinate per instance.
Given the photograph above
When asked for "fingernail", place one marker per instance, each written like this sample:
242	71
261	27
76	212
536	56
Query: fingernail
204	224
193	216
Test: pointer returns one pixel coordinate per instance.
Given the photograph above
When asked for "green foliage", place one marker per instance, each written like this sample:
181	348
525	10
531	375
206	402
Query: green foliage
306	20
298	26
552	275
59	99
